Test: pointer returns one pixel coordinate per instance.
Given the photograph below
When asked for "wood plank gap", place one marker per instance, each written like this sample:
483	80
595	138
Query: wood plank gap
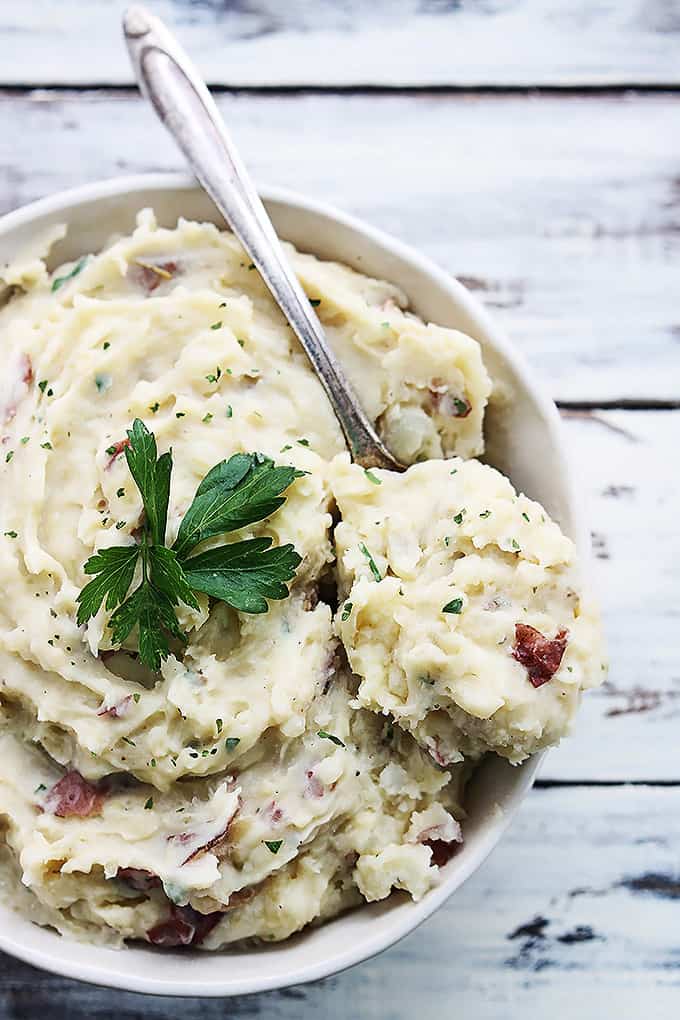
623	404
568	784
578	91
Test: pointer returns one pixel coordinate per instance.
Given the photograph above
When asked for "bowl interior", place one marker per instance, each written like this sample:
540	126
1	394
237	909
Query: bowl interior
523	439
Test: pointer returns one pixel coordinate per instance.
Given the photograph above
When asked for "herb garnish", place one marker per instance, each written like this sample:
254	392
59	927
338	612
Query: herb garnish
346	611
454	606
231	743
371	562
59	281
273	844
371	477
332	737
235	493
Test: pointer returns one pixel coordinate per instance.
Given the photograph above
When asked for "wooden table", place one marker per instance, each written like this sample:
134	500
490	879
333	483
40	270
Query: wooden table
533	149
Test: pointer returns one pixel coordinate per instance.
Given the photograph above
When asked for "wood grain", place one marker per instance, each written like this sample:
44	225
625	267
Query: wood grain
563	213
628	728
386	42
573	915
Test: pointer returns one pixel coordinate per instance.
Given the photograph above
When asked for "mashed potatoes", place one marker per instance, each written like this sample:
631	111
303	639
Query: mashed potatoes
459	592
254	784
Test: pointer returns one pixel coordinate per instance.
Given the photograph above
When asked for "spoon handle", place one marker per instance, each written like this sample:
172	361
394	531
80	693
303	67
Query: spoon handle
185	106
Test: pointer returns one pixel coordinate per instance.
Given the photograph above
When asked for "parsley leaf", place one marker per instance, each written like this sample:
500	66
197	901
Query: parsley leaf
454	606
244	574
237	492
152	475
169	577
153	612
116	570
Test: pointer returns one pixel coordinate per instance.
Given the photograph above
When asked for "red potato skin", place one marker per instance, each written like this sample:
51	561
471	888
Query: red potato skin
540	656
73	797
184	927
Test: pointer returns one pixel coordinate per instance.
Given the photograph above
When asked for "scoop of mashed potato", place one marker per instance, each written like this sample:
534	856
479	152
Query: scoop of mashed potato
238	792
463	614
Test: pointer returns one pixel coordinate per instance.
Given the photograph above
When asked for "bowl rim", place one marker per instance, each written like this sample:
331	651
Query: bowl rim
99	974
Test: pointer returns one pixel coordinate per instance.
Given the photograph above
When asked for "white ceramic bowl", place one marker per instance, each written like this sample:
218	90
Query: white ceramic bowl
523	440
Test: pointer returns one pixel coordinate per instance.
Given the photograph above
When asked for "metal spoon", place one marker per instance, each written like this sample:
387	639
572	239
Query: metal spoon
182	101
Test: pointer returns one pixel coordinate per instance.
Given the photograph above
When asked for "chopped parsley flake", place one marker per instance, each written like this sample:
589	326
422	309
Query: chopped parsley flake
11	534
525	516
103	383
120	492
136	696
154	407
218	724
59	281
207	418
217	325
180	414
149	804
240	342
458	519
303	442
46	445
273	844
455	471
130	742
454	606
315	302
42	385
346	611
230	411
286	447
120	525
9	456
330	736
216	375
24	440
106	345
231	743
371	477
485	514
371	562
515	544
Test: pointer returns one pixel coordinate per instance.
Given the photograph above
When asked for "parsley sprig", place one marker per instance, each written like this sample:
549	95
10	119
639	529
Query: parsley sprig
237	492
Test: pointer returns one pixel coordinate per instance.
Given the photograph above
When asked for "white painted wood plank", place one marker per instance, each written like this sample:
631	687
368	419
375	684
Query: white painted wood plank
563	212
624	464
574	914
386	42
